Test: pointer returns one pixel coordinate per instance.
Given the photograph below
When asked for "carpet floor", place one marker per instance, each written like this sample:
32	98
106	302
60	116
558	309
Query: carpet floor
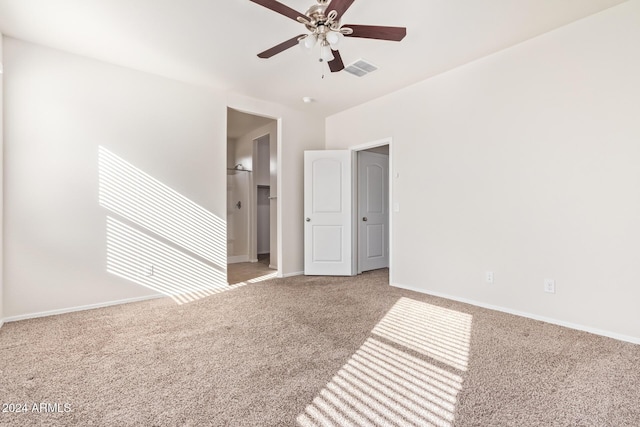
312	351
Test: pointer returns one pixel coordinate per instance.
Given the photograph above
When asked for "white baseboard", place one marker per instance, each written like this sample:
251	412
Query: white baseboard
238	258
273	267
297	273
1	322
604	333
80	308
253	260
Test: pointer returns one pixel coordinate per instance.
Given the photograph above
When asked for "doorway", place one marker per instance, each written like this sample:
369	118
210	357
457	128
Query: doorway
348	231
372	208
252	239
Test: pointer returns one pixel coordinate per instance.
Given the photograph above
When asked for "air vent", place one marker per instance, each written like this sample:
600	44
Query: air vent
360	68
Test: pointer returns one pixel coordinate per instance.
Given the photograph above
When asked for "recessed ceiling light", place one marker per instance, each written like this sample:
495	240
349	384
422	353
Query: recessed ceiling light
308	100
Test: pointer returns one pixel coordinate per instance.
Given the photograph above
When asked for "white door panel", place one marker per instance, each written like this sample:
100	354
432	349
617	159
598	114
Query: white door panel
327	186
373	211
327	243
374	188
327	207
375	240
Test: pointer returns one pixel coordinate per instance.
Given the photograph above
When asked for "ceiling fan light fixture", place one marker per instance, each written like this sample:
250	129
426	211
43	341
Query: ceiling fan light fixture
325	52
301	42
310	41
334	38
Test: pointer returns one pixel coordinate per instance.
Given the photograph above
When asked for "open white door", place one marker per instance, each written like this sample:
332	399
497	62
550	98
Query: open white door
327	209
373	211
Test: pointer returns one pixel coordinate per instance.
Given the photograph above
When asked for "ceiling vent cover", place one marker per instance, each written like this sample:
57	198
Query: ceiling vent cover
360	68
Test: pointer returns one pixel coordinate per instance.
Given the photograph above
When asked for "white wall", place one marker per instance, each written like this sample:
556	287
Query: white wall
524	163
297	131
231	155
262	172
263	217
262	177
237	219
238	191
59	109
1	190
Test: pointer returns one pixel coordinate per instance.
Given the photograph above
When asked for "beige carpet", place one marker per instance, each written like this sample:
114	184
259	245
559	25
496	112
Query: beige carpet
313	351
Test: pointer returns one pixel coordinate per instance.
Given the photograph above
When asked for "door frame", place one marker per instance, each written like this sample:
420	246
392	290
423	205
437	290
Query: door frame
354	200
257	112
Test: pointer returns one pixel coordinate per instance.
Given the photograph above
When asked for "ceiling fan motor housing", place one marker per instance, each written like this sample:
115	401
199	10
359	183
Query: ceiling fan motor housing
319	21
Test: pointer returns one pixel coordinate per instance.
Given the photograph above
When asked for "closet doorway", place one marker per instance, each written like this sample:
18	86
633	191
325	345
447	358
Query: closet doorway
252	239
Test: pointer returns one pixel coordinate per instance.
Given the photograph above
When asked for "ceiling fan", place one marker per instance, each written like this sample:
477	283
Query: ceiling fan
323	22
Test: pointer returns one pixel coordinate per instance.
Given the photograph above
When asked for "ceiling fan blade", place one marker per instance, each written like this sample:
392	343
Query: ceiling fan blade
280	48
340	6
377	32
336	64
282	9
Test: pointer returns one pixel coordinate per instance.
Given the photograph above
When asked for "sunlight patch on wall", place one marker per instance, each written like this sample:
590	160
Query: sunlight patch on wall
157	237
150	204
133	255
385	383
437	332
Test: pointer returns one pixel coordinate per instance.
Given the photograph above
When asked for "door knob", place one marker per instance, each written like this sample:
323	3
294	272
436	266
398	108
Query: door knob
364	218
308	220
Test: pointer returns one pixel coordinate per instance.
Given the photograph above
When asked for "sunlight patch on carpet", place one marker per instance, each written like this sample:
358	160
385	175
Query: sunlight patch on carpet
383	384
436	332
263	278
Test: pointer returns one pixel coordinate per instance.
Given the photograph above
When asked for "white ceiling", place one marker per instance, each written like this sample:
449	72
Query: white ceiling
215	42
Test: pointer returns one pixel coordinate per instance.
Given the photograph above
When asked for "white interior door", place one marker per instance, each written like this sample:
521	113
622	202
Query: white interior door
327	209
373	211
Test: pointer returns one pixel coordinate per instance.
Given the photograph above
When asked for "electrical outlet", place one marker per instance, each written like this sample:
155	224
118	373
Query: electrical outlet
550	286
488	276
148	271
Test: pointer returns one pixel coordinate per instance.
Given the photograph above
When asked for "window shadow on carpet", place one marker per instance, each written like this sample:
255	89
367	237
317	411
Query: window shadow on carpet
408	372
